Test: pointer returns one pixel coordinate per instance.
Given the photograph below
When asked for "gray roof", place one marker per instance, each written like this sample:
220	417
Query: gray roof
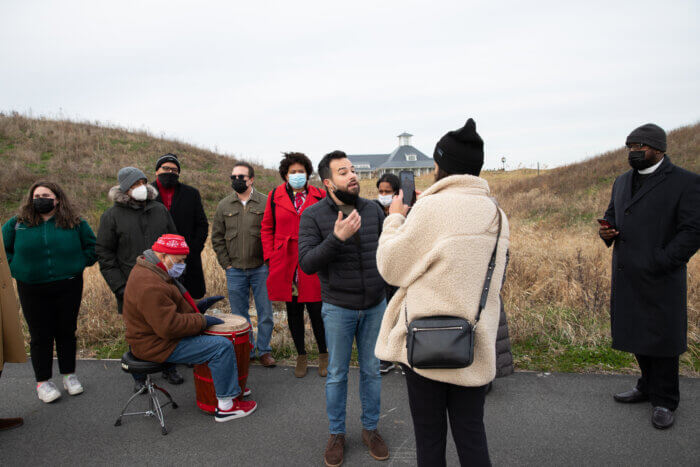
373	160
395	160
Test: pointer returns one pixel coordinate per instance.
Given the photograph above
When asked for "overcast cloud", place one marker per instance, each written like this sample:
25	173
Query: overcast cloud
553	82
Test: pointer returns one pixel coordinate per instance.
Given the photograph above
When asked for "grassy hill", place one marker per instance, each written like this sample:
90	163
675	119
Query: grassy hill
557	291
85	158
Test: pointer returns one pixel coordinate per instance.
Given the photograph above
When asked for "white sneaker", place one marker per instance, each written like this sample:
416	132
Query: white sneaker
48	392
72	385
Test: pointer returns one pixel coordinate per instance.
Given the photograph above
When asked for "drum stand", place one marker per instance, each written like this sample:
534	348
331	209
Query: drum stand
154	405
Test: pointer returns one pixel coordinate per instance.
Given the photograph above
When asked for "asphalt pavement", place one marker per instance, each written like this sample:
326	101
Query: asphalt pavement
531	419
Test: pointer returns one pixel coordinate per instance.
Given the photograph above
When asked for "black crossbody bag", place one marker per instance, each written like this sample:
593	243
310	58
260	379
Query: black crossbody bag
444	342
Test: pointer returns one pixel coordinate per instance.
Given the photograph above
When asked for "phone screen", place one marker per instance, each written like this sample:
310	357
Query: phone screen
408	185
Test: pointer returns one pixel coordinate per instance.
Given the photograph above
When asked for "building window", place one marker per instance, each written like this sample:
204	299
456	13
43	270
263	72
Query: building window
411	157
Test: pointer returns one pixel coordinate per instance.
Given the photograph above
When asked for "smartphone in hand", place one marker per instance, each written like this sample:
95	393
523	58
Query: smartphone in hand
408	185
605	224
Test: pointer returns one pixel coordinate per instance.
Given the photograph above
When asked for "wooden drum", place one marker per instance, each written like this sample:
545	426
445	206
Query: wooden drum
237	330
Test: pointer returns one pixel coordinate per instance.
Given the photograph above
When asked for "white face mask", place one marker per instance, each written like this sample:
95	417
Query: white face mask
140	193
385	200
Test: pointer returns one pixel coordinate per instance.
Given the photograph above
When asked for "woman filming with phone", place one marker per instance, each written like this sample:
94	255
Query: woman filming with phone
440	265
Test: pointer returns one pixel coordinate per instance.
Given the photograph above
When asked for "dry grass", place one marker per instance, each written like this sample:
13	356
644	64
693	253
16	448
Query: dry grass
557	290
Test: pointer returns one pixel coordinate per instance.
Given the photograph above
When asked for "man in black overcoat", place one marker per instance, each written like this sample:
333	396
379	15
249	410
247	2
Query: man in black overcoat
185	206
654	217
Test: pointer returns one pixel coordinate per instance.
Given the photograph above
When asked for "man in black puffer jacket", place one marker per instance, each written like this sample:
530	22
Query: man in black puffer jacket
338	238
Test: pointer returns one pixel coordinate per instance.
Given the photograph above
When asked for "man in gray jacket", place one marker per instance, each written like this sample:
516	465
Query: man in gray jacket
338	238
127	229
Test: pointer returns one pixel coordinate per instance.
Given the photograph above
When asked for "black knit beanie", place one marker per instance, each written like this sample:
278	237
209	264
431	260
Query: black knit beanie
168	158
650	135
461	151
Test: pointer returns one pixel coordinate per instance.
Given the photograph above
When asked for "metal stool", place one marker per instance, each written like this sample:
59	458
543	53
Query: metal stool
133	365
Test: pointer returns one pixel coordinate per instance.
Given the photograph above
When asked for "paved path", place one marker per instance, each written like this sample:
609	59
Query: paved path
531	419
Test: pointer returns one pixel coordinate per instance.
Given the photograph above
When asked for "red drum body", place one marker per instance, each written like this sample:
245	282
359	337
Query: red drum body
237	330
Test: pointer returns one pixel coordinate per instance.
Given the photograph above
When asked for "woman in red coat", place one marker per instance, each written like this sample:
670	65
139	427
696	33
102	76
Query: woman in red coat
280	239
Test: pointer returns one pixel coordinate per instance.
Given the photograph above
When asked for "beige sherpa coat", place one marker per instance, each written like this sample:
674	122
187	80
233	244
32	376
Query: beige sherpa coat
438	258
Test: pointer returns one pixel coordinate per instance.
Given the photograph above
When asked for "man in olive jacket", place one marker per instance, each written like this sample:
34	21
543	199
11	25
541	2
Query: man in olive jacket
654	218
235	236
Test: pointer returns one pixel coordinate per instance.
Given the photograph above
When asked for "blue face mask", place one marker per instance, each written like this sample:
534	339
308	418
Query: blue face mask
297	181
177	270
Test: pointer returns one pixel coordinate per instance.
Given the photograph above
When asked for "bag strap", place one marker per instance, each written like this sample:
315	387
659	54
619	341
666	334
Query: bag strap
489	271
492	266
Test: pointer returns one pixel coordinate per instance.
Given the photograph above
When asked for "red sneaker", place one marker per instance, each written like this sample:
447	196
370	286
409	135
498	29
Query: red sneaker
240	409
247	392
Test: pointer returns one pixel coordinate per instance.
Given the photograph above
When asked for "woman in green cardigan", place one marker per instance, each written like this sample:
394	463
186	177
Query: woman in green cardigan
48	246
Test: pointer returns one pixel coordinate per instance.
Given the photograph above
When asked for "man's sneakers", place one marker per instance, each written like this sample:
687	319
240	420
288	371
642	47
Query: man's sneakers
72	385
385	367
47	391
240	409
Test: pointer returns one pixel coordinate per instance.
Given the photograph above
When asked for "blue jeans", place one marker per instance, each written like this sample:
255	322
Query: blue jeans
343	326
239	282
218	353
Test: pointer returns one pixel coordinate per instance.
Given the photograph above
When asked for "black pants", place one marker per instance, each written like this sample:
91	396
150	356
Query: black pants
659	380
295	319
51	311
431	401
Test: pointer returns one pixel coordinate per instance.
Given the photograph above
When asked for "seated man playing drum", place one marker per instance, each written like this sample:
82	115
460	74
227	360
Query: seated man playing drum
163	324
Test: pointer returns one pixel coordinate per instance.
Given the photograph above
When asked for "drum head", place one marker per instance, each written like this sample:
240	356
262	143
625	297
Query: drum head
232	323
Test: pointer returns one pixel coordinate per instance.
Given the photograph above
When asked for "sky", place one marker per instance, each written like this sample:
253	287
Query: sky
549	82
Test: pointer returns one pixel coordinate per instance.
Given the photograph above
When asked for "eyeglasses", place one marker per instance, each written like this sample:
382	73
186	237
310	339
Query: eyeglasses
635	146
239	177
172	170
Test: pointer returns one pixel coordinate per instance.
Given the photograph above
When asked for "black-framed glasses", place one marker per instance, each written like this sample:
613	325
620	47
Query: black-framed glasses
172	170
238	177
635	146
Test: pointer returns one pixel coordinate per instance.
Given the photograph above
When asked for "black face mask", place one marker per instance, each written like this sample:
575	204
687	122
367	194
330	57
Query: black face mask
346	197
637	160
43	205
168	180
239	185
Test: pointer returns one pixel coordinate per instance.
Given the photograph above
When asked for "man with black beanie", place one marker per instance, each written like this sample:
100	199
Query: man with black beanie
653	221
185	206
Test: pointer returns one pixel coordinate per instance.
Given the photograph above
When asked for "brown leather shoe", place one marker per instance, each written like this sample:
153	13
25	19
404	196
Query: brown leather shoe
333	456
267	360
323	364
300	370
8	423
375	443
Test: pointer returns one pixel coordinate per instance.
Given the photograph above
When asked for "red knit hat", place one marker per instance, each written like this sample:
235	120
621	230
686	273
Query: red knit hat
171	244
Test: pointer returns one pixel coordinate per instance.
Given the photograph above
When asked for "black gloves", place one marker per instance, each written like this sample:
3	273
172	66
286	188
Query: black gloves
211	321
204	304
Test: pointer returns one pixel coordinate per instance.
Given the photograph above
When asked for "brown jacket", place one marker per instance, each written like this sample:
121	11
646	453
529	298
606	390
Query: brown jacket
11	340
235	233
156	314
